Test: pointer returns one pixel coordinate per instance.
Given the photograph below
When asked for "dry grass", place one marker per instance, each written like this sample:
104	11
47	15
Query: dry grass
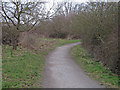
34	41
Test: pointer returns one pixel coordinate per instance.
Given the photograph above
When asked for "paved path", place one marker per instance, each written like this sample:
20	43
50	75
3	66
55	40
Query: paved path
62	72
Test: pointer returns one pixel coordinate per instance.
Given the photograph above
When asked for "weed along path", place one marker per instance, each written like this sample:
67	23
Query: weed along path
62	72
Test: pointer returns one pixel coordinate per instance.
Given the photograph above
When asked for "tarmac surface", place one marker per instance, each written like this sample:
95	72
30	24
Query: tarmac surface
62	72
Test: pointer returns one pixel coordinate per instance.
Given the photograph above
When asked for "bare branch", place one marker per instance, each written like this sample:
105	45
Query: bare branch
7	15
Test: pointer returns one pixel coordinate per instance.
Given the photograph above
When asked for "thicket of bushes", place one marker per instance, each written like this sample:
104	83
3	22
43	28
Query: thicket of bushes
97	24
9	35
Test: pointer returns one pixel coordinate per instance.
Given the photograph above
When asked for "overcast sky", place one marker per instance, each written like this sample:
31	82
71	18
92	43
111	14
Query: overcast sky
50	2
66	0
69	0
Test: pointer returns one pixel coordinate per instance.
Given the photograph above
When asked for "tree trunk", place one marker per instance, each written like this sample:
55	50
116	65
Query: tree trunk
15	41
14	46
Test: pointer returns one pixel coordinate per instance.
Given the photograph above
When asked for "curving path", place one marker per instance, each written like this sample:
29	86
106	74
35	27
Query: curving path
62	72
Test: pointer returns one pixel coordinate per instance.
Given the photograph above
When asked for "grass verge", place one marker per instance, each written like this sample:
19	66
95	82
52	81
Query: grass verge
23	68
93	68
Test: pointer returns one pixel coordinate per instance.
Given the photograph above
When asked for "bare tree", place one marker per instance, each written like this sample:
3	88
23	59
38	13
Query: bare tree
18	14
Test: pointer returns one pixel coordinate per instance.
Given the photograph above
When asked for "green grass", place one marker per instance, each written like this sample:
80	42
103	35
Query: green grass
23	69
59	41
93	68
62	41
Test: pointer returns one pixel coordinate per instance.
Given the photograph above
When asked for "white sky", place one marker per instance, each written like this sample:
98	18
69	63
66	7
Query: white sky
68	0
50	2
